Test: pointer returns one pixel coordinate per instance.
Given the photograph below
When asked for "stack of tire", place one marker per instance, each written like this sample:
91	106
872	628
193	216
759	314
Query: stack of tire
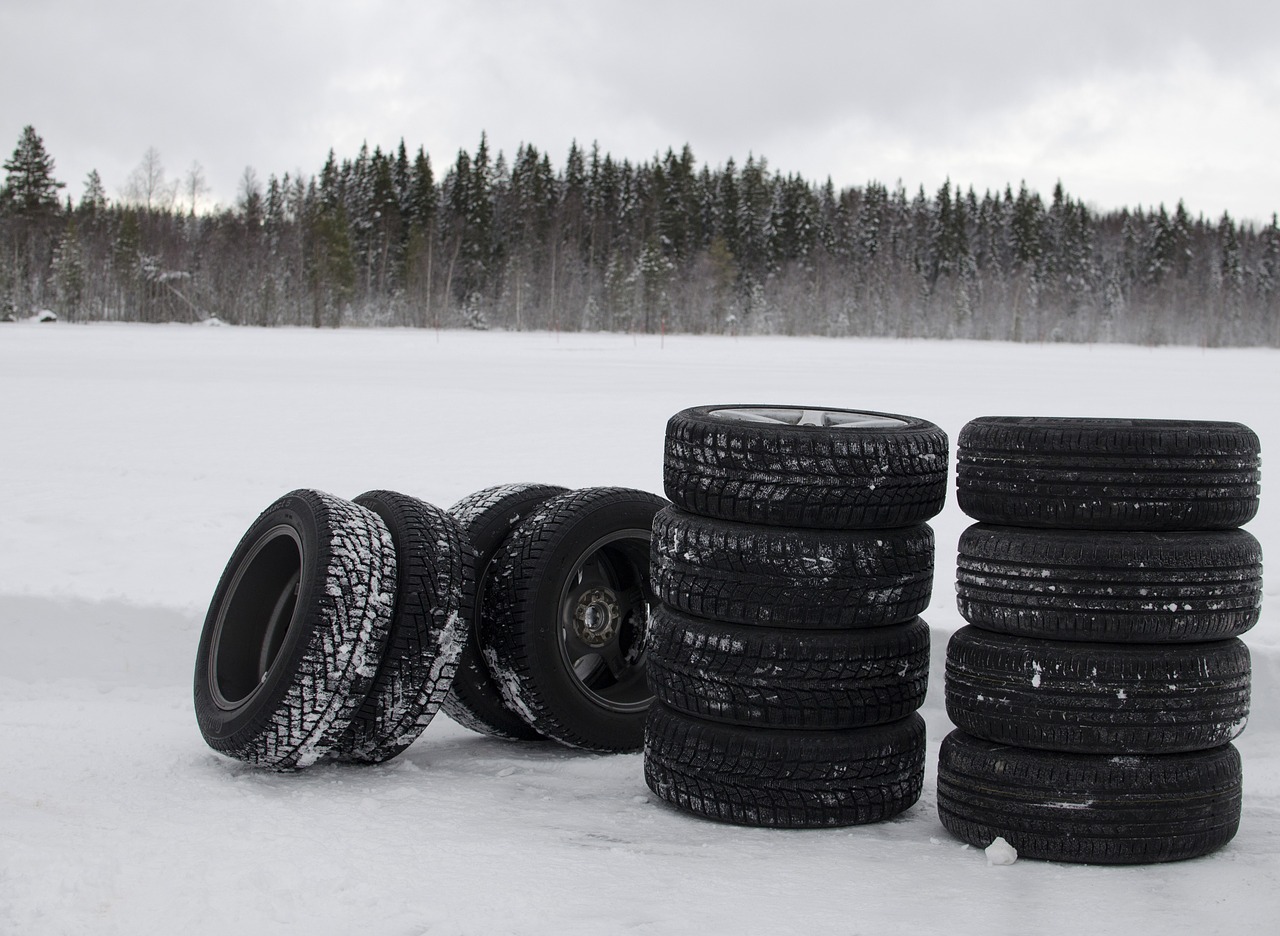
1101	678
339	628
786	652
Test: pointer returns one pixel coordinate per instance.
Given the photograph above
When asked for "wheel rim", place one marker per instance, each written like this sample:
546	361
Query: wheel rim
603	618
255	617
801	416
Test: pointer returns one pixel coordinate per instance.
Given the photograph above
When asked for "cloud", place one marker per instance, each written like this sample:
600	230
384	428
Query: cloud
1139	101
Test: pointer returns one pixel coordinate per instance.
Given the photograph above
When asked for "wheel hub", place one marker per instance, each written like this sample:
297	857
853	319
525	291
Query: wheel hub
597	616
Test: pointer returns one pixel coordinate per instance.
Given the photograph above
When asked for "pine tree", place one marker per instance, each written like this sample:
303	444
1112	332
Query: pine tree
94	198
422	193
30	187
68	271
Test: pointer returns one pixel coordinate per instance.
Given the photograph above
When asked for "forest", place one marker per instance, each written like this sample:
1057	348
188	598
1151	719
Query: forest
597	243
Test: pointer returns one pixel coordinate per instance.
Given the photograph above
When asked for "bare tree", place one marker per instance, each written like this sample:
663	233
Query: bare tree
147	186
249	196
195	185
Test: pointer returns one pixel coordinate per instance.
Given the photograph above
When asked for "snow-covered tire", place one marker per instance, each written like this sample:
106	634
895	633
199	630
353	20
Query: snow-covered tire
1108	474
1097	698
295	631
783	778
782	678
750	574
567	602
487	517
796	467
1126	587
427	631
1089	808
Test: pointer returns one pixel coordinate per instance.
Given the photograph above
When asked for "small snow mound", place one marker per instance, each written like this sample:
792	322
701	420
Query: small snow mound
212	320
45	315
1001	852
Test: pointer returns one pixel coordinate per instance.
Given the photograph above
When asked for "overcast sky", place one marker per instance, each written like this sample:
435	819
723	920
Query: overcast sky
1126	102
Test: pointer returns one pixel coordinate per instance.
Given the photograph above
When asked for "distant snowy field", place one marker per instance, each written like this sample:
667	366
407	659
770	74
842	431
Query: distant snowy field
132	458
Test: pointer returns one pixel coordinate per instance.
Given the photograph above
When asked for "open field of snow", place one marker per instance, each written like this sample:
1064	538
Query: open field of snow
132	458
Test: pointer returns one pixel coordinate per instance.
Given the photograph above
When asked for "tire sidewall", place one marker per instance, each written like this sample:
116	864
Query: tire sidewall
231	728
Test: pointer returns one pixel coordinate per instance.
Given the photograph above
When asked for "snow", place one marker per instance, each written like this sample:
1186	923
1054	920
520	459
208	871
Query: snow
1000	852
134	458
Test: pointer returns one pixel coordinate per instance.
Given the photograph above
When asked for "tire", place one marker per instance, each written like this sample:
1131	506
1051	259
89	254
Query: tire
428	629
748	574
487	517
1089	808
784	779
774	678
1108	474
295	630
1131	587
793	467
1097	698
567	606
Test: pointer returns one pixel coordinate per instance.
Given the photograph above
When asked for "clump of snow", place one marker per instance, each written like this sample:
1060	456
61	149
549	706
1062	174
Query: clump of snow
1001	852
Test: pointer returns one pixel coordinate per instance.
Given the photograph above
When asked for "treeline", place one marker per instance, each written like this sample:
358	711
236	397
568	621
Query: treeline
385	238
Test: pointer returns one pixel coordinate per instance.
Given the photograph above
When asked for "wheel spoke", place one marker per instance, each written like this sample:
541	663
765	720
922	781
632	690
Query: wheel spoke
587	667
574	645
611	653
759	416
812	418
593	570
634	598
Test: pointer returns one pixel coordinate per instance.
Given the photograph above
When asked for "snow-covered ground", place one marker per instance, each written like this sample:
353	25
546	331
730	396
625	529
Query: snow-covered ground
132	458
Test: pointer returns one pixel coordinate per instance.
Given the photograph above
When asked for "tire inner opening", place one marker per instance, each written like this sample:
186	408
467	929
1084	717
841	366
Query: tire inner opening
255	617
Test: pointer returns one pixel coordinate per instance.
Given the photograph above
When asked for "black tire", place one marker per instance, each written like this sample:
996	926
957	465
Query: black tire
1089	808
427	632
1108	474
567	606
774	678
295	630
796	467
749	574
1097	698
780	778
1129	587
487	517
